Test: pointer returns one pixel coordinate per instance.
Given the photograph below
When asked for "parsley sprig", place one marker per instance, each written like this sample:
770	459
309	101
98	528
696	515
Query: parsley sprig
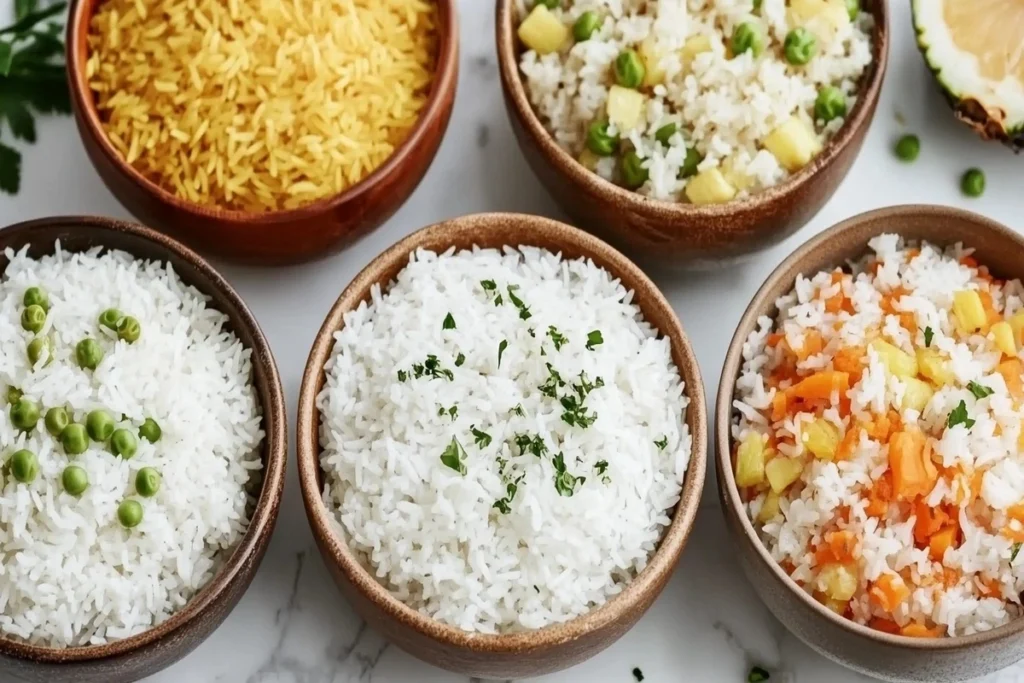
454	456
979	390
959	416
565	482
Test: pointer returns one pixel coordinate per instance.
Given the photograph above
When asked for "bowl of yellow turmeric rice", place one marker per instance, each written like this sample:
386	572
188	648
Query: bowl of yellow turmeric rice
269	131
870	430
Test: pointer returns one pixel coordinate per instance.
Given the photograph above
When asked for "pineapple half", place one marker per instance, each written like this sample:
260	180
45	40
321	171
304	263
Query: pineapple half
976	49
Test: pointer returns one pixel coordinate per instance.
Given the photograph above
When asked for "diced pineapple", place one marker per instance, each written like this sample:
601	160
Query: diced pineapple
804	10
693	47
769	508
782	471
793	143
650	54
969	312
824	18
709	187
542	31
1017	325
588	159
934	367
625	107
896	361
916	395
750	460
1002	334
837	606
735	176
838	581
821	438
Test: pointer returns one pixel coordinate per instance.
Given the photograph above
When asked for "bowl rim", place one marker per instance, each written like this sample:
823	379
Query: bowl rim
445	81
661	563
859	117
734	507
264	515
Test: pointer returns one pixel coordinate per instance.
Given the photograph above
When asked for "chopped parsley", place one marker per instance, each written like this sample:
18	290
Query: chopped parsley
454	456
402	375
449	322
532	333
1016	549
601	466
431	367
450	412
565	483
460	359
959	416
585	387
662	443
553	383
518	410
928	334
535	588
557	338
524	310
531	444
575	413
504	505
594	339
483	439
979	390
497	300
757	675
489	285
638	674
501	349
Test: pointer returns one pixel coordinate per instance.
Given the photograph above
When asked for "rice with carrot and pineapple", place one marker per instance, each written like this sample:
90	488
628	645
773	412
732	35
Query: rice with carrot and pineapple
879	444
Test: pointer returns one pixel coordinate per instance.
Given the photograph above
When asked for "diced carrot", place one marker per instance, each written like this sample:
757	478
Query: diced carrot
929	520
913	474
990	588
941	541
1011	371
773	339
848	445
991	314
884	625
850	359
879	496
1016	512
912	254
909	322
950	577
1015	535
813	344
916	630
976	481
779	405
969	261
889	301
821	385
888	592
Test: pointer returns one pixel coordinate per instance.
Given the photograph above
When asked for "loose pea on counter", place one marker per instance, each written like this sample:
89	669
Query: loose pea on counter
24	466
75	480
973	182
88	353
74	439
129	513
908	147
147	482
25	414
99	424
123	444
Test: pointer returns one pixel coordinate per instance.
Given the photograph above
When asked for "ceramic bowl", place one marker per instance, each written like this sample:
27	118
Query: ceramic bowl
889	657
679	234
473	654
145	654
278	237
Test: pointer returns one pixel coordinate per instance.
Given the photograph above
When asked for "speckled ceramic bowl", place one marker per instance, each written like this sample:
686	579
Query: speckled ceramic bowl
142	655
679	234
889	657
518	655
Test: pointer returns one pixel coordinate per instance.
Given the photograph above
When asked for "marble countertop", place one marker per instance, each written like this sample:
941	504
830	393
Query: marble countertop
292	626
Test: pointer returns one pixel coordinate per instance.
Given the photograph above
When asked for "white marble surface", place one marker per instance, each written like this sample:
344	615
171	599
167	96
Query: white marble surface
708	626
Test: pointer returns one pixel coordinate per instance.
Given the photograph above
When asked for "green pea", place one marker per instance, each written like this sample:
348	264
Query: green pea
39	350
853	8
99	424
129	513
830	104
599	141
799	46
33	318
633	172
56	421
147	482
150	430
747	36
550	4
74	439
665	133
586	26
128	329
88	353
908	147
25	414
690	164
123	443
24	466
75	480
973	183
629	69
110	317
13	394
36	296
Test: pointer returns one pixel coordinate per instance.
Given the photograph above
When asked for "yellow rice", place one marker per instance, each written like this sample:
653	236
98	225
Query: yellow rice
260	105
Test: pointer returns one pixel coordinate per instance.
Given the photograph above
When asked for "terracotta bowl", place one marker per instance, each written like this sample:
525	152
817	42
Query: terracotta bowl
889	657
523	654
145	654
678	234
279	237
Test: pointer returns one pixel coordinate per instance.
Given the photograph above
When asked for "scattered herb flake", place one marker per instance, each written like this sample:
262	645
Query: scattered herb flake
959	416
524	310
557	338
483	439
594	339
431	367
449	322
460	359
565	483
532	332
518	410
979	390
662	443
402	375
601	466
638	674
454	456
489	285
504	505
453	412
501	349
585	386
757	675
928	334
553	383
531	444
497	300
535	588
1016	549
575	413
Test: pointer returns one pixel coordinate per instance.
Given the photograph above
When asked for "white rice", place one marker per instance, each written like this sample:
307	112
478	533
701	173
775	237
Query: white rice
433	537
70	574
725	107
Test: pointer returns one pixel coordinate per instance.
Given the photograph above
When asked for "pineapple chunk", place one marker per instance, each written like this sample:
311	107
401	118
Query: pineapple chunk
709	187
934	367
969	312
793	143
821	438
654	72
542	31
824	18
693	47
782	472
1002	333
838	581
1017	325
625	107
769	508
734	176
588	160
750	460
896	361
837	606
916	395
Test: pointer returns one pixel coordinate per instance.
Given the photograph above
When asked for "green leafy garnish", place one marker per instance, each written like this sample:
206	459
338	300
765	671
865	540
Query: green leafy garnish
594	339
757	675
504	505
662	443
454	456
601	466
1016	549
979	390
451	412
483	439
531	444
552	384
431	367
557	338
532	333
565	483
575	413
402	375
928	334
524	311
449	322
585	387
959	416
460	359
638	674
488	285
518	410
501	349
497	300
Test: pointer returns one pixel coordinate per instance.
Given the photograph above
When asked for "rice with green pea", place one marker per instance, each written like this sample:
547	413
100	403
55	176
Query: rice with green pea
503	437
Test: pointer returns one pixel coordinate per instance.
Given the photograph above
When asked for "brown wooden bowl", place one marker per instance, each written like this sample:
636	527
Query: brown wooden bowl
889	657
522	654
130	659
276	237
680	234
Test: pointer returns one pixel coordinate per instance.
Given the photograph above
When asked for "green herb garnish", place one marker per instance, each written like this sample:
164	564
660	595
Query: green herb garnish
501	349
594	339
532	333
662	443
402	375
575	413
565	483
451	412
585	387
449	322
454	456
504	505
959	416
553	383
431	367
497	300
557	338
638	674
1016	549
928	334
531	444
488	285
518	410
979	390
460	359
524	310
757	675
483	439
601	466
